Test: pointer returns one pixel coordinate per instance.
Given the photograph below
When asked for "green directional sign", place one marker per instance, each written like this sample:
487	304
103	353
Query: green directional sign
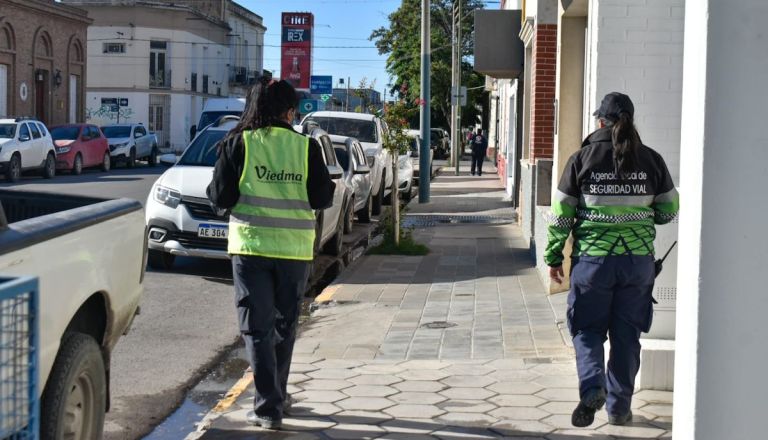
325	98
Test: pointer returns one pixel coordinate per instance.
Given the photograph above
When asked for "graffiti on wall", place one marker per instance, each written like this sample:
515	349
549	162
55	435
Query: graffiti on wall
104	115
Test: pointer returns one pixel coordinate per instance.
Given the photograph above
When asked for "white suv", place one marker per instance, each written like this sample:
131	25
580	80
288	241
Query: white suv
25	144
369	130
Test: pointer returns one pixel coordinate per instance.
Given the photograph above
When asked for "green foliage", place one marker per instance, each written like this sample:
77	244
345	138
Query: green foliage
396	116
401	41
407	246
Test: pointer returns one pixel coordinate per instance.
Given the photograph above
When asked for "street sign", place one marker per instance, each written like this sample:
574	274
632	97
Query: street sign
459	97
307	106
325	97
321	85
123	102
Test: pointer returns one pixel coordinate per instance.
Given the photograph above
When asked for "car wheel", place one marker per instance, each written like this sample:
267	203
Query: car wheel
160	260
334	245
106	163
407	194
131	158
378	200
49	169
75	397
364	215
349	216
77	167
14	169
152	161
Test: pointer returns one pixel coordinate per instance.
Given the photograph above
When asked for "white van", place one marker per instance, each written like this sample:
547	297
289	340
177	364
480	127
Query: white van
216	108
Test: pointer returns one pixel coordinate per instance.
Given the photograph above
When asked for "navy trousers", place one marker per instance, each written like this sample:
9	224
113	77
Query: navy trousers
610	296
268	293
477	164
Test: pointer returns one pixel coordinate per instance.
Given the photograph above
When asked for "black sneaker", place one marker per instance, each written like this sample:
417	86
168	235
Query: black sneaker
265	422
620	420
584	414
288	404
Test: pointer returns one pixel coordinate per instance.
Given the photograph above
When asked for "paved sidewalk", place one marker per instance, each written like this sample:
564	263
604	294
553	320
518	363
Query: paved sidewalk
460	344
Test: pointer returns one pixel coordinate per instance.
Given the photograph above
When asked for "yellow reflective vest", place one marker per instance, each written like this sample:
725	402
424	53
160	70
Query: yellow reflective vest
272	217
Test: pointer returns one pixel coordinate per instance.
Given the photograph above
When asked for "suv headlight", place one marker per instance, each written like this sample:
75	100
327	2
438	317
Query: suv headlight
114	147
167	196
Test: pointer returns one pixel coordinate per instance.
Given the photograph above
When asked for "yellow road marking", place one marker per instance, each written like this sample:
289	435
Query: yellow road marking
234	393
327	293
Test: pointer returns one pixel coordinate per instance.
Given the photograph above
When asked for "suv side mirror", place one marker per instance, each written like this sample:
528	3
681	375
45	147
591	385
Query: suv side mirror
168	159
137	134
362	169
24	137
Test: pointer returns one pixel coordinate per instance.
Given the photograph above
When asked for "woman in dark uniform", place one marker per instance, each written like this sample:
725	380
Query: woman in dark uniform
611	195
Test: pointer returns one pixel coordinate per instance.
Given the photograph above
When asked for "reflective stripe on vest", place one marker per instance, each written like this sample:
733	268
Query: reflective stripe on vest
272	217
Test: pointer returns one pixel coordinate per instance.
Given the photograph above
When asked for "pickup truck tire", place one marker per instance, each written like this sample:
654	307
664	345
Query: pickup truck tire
378	199
334	245
106	163
131	161
49	168
364	215
152	160
14	169
161	260
75	397
77	167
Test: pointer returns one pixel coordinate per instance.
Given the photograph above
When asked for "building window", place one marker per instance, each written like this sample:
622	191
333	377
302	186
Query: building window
205	83
114	47
159	74
193	82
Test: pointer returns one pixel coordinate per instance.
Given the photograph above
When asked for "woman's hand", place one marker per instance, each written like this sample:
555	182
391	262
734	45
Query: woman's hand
556	274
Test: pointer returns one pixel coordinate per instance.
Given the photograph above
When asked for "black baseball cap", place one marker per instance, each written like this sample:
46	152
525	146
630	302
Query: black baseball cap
613	105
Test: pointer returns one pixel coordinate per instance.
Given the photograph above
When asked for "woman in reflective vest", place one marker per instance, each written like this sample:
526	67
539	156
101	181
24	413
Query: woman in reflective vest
611	195
272	179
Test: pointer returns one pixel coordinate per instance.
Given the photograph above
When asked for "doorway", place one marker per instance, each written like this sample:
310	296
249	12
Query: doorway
73	94
3	90
159	112
41	96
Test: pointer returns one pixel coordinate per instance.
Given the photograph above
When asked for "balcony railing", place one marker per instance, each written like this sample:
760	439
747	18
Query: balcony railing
160	79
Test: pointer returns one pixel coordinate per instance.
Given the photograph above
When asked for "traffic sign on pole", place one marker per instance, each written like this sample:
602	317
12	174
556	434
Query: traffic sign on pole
308	106
459	97
321	85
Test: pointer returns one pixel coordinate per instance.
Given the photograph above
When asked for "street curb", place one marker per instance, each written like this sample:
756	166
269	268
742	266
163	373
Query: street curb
327	294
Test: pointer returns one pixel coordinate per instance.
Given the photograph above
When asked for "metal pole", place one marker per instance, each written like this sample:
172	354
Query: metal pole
426	96
454	139
459	57
348	80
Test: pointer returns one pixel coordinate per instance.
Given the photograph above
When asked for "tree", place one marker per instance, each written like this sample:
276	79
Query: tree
401	42
364	91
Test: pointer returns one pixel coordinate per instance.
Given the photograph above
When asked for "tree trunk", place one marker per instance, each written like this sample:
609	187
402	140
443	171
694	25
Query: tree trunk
396	200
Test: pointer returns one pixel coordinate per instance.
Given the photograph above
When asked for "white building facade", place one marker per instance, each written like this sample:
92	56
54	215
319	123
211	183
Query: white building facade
157	64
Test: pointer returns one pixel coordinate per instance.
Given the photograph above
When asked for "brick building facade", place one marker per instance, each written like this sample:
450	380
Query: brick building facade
42	60
543	91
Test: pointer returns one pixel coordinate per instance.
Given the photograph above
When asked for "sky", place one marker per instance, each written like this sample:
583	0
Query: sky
337	23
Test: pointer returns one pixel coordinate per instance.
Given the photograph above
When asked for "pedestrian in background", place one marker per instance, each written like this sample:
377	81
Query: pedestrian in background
611	195
272	179
479	150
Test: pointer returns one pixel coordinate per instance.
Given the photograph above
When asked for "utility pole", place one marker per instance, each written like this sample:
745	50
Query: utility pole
424	175
348	80
454	141
459	58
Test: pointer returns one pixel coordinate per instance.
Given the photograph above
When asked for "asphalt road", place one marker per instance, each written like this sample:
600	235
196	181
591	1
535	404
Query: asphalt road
187	322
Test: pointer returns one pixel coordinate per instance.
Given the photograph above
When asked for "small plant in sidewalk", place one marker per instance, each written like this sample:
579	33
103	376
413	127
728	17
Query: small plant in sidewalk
397	240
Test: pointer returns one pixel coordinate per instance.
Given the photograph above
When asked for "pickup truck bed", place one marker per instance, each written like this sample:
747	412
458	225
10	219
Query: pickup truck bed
89	255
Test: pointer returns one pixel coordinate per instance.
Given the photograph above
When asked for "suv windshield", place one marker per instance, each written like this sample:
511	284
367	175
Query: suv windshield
7	131
116	131
208	118
364	131
65	133
202	152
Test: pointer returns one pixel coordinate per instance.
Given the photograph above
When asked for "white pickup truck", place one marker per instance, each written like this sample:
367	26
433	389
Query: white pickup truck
131	142
90	257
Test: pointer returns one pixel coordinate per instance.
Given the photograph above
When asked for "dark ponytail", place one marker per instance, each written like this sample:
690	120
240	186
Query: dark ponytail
626	141
267	103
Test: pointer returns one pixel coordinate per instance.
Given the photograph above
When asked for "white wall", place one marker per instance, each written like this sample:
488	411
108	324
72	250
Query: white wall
720	385
637	48
136	112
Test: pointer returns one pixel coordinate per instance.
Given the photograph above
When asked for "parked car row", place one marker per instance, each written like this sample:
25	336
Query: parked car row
27	145
181	221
